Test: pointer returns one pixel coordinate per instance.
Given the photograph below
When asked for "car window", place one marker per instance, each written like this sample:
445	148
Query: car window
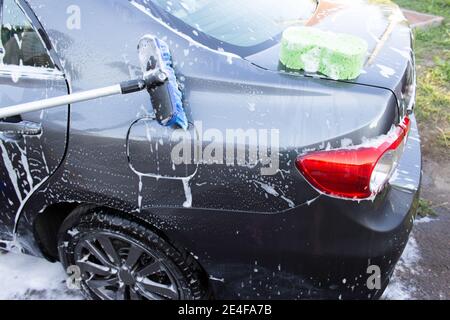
240	23
20	42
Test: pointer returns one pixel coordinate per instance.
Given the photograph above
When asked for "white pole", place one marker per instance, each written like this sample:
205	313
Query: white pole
59	101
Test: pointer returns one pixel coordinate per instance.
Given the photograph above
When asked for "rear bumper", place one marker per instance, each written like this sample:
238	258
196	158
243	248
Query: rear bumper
321	250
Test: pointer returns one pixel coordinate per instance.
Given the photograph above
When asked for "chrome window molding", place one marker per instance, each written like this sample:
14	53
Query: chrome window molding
35	73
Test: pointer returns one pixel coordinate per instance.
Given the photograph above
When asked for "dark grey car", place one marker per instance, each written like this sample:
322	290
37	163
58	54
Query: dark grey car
287	185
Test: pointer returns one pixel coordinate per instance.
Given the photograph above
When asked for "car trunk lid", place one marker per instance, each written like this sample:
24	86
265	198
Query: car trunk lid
389	63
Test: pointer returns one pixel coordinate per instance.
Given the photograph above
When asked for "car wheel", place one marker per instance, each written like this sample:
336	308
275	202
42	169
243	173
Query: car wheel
121	259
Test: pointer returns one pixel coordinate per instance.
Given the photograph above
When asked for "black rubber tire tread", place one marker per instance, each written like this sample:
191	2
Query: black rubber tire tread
190	276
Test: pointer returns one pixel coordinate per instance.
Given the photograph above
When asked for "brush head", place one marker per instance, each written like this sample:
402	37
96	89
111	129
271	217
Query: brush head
156	64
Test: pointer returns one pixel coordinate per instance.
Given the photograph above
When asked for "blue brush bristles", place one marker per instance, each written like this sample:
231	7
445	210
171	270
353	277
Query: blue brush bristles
179	116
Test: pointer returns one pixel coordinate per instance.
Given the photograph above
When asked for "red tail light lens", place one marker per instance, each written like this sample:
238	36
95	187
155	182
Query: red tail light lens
357	172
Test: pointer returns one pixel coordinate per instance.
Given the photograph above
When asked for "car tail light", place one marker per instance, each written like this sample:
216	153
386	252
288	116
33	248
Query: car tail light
358	172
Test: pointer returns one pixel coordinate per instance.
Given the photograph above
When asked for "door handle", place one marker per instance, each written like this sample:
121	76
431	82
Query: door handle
25	128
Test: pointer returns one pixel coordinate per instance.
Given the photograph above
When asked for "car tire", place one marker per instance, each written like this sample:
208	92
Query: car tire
118	257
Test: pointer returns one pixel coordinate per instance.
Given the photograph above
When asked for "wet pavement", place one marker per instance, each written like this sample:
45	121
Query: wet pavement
424	270
433	238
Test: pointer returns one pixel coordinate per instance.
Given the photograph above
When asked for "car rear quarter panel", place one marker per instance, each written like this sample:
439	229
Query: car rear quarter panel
219	92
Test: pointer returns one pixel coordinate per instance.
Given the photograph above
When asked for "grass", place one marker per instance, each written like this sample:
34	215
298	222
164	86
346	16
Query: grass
425	209
432	47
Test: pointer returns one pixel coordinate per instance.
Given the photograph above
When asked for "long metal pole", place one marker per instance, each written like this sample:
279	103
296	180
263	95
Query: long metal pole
60	101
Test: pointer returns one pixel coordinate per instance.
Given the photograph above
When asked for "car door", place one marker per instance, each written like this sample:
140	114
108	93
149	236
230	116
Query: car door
32	145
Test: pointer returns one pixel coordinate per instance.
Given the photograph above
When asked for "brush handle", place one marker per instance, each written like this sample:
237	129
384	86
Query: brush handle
122	88
59	101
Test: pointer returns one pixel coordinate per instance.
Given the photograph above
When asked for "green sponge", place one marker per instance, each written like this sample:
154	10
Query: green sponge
338	56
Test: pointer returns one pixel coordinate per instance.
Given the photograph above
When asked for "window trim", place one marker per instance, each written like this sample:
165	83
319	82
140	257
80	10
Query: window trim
29	72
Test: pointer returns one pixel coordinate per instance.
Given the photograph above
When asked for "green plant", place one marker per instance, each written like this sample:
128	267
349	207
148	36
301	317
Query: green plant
425	209
432	49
